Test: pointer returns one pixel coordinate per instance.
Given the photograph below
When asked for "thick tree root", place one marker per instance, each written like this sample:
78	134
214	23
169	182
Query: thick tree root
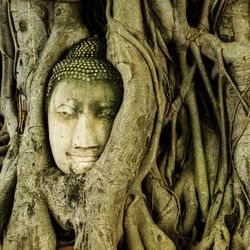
147	234
8	104
201	178
8	178
164	205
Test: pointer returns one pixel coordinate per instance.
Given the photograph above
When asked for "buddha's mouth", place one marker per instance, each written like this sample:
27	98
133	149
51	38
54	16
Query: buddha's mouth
87	158
80	164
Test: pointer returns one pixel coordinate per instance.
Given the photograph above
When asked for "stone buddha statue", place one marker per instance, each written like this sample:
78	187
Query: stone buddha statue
83	97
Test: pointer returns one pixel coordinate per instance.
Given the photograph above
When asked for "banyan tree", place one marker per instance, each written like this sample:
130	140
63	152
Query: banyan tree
174	173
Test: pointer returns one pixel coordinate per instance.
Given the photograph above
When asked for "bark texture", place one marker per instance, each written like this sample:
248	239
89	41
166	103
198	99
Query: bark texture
175	171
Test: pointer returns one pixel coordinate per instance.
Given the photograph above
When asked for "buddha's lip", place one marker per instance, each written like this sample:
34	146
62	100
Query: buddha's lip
85	158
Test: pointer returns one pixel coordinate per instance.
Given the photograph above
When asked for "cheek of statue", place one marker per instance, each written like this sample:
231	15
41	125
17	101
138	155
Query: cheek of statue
80	118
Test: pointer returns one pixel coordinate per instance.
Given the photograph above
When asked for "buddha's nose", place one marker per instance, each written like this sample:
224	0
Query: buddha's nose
84	135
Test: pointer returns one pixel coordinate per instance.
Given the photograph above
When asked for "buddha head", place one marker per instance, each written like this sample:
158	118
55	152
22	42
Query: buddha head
84	95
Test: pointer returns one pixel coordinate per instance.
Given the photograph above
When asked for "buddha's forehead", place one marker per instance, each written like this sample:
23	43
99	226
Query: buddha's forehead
74	89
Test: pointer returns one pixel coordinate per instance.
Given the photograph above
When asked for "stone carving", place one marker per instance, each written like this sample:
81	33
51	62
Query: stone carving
83	98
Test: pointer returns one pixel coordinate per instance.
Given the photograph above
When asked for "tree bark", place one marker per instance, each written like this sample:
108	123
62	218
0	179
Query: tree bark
175	171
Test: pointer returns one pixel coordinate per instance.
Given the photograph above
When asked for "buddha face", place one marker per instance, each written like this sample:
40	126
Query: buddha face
80	118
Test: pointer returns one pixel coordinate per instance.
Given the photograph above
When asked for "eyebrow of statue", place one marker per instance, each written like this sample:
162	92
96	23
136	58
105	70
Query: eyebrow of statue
65	104
106	104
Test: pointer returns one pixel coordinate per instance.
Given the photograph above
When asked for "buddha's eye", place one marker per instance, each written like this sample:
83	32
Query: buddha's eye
66	111
106	113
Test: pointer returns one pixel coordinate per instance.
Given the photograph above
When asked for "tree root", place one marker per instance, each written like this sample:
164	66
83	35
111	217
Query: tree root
147	234
223	169
241	237
8	105
157	80
184	138
169	170
4	143
8	177
163	12
197	54
212	150
62	200
219	239
216	234
165	206
186	192
201	178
